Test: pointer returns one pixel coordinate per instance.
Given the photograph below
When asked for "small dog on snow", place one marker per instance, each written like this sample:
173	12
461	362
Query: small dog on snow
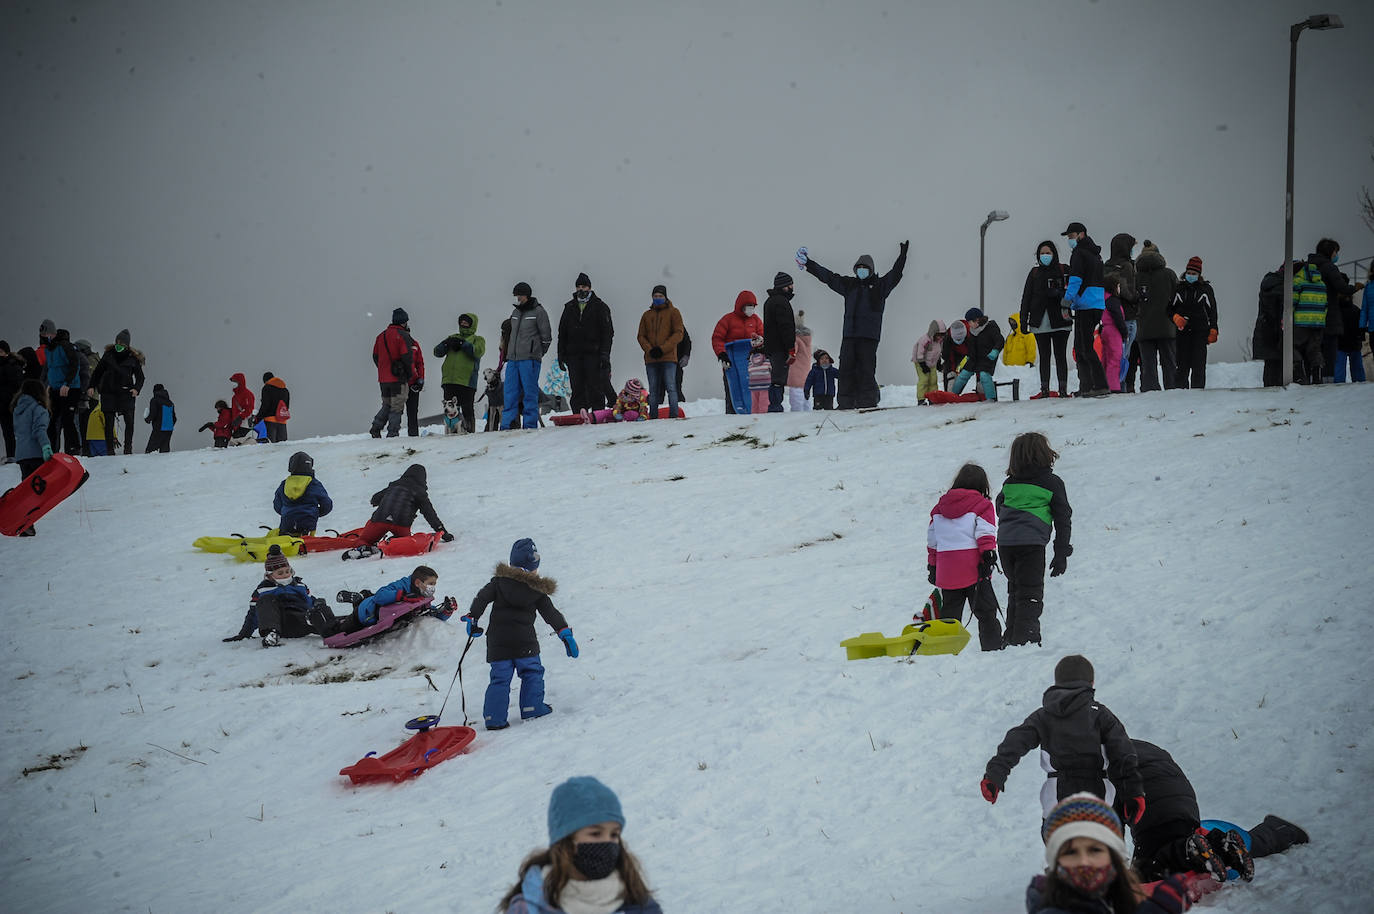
453	417
495	395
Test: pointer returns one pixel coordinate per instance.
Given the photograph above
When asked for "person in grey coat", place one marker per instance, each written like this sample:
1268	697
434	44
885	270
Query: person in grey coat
530	337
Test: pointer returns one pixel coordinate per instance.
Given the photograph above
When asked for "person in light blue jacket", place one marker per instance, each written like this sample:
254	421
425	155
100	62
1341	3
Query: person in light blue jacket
1085	295
586	866
31	418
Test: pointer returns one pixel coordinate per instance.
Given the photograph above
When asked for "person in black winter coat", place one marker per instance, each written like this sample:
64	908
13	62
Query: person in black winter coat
779	337
585	334
162	416
516	593
398	504
1194	313
281	606
1075	734
1338	288
865	300
11	377
1267	342
985	342
1043	314
118	378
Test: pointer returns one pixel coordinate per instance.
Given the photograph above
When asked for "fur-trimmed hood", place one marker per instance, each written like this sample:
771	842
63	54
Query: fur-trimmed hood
142	359
531	579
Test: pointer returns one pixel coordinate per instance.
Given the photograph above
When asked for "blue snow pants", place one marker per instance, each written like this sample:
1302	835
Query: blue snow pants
522	394
737	375
497	704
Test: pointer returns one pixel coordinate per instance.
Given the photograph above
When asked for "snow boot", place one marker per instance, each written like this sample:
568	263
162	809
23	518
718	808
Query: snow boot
1202	859
1274	836
1236	855
360	552
271	639
348	596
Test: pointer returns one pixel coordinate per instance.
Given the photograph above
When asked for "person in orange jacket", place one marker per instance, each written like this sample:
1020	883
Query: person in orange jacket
274	406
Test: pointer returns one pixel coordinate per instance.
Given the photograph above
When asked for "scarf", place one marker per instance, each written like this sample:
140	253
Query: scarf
591	896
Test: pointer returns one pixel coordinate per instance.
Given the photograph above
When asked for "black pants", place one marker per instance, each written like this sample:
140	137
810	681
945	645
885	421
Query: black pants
1329	348
1307	355
1024	567
729	400
1191	349
1091	375
1132	364
584	377
158	441
64	419
824	401
1162	849
276	431
1161	351
7	427
858	382
292	620
412	412
1273	372
464	395
777	382
1058	345
983	599
122	406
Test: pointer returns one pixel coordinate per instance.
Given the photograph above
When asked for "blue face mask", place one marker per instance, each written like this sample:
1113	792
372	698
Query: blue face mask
1046	259
1335	257
1191	277
659	301
1073	243
862	272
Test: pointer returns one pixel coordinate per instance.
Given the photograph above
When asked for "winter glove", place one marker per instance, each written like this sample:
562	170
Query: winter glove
987	563
239	637
205	426
1211	336
989	789
655	353
562	365
930	574
1066	313
47	453
904	245
569	644
801	257
1058	565
1180	321
417	385
445	536
1172	895
474	630
792	357
724	360
1134	809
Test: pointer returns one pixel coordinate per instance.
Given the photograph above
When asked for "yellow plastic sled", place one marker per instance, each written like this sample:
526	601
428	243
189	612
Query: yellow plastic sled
249	548
941	636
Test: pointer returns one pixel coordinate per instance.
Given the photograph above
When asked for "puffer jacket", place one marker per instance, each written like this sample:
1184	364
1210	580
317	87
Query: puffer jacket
399	502
1020	348
274	394
963	525
30	428
462	354
118	374
779	323
301	501
585	328
515	595
1028	506
394	592
1043	294
1154	285
1083	291
661	327
391	353
243	400
735	326
984	347
865	300
530	336
801	361
927	352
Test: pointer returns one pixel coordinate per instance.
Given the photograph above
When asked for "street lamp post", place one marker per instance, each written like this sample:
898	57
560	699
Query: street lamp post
1318	23
996	215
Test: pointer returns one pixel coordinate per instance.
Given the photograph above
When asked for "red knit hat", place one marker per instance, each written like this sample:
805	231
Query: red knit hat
1194	265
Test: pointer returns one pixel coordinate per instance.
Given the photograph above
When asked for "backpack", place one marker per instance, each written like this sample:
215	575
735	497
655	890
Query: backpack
283	413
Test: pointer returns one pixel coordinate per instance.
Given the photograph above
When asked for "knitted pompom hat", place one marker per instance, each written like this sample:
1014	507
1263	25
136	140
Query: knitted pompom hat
275	561
633	389
1081	815
524	554
958	331
579	802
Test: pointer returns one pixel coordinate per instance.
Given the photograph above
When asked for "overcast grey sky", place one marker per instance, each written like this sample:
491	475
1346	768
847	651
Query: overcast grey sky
255	185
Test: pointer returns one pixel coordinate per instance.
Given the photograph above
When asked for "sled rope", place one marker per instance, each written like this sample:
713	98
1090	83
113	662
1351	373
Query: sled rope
458	678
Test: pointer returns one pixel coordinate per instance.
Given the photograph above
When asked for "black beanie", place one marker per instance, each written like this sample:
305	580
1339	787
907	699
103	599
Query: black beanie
660	289
267	376
122	337
582	280
522	288
399	316
1073	668
782	281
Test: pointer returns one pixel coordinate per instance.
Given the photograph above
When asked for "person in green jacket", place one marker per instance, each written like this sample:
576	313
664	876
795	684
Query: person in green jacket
462	354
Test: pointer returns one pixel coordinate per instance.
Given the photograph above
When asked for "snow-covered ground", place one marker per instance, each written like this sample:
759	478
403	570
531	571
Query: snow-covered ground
1220	583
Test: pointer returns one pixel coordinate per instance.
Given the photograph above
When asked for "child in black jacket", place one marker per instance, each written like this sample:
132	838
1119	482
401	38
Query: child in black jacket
984	342
1032	501
281	606
517	592
1074	733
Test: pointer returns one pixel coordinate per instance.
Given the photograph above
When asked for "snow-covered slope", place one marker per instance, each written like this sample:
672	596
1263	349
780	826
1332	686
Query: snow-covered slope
1220	583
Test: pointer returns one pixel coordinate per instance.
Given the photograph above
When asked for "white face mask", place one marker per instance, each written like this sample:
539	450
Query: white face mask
748	310
427	590
282	577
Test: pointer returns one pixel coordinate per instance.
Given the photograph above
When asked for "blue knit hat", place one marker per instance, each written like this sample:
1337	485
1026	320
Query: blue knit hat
973	314
579	802
524	554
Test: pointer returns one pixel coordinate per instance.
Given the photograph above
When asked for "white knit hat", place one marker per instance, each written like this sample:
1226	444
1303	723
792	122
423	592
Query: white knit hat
1082	815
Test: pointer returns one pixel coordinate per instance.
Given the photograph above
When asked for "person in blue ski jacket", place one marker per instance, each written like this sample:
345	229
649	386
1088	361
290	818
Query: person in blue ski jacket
516	592
301	499
586	866
419	584
1086	297
822	381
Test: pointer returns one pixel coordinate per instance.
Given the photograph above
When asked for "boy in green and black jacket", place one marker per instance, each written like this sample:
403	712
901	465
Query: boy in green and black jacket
1031	504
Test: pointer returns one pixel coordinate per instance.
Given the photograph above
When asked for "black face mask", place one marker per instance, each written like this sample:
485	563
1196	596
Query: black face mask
597	860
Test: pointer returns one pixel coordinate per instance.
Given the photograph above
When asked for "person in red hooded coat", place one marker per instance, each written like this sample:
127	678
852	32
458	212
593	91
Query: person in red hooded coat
242	403
739	324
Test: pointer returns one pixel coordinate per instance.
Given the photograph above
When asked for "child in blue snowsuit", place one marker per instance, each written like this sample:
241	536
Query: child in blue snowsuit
301	499
822	380
419	584
515	594
281	606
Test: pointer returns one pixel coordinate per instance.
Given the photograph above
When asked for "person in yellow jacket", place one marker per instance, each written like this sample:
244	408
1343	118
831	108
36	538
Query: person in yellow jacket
95	432
1020	349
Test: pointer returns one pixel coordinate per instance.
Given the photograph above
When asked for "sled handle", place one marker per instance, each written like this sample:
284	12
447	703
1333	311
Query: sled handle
370	754
430	752
38	483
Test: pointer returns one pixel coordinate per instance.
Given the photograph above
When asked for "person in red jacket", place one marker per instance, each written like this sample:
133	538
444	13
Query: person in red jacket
738	326
223	426
417	384
393	354
242	403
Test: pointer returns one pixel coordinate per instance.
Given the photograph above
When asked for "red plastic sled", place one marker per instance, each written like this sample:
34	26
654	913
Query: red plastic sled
570	419
40	492
663	412
393	615
422	751
347	540
941	397
415	544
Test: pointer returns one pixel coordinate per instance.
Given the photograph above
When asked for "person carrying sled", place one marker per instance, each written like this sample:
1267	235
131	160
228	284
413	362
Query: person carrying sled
1086	870
961	552
397	506
300	499
1076	735
865	299
734	333
586	867
515	593
1032	502
420	584
281	606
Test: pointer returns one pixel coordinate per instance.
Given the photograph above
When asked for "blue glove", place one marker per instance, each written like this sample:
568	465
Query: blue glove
801	257
474	630
47	453
569	643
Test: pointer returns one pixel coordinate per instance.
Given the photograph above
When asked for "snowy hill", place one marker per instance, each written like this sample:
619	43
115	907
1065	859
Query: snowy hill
1220	583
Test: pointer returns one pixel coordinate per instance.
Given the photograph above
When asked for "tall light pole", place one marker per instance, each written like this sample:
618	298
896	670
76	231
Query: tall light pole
996	215
1318	23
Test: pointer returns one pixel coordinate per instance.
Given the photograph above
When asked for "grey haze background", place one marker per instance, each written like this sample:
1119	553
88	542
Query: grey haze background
255	185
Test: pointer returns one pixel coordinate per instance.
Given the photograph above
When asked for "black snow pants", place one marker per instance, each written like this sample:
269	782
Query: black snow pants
1024	567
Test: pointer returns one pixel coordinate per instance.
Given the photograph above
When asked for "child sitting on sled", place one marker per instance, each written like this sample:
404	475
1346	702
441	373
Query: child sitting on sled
515	593
281	606
301	499
420	584
631	405
586	866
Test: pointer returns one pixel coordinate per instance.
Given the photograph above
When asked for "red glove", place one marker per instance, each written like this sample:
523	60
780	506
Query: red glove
989	789
1135	810
1180	321
1211	336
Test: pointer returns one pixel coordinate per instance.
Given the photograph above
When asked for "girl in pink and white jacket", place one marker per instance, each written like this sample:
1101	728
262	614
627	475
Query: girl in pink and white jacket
961	552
